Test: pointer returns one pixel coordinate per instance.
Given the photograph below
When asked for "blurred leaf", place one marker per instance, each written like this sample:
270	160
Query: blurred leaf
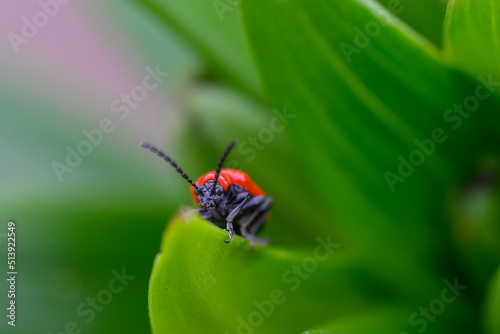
156	42
471	36
425	16
361	112
492	320
71	234
476	221
388	319
200	284
218	37
66	255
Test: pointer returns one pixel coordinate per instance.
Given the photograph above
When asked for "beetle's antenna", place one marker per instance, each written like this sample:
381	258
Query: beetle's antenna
221	161
165	157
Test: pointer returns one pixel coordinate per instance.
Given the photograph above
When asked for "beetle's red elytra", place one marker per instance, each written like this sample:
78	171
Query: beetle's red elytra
227	196
227	177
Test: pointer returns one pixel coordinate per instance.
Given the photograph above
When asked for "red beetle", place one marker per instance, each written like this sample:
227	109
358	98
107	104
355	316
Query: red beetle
227	196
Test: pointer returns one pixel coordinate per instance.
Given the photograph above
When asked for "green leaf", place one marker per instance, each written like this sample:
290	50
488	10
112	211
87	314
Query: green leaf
425	16
215	33
491	319
381	320
361	112
62	252
471	36
476	220
389	319
199	284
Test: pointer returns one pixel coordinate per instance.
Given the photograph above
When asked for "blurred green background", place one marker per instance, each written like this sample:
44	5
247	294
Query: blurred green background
110	211
233	67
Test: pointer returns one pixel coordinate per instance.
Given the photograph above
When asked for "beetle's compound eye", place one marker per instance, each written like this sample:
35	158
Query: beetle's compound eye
218	190
199	190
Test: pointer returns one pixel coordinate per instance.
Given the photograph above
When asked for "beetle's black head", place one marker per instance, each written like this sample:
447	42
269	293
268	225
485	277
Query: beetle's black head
208	198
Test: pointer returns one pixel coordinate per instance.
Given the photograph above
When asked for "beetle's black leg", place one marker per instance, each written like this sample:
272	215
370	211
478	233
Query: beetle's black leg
242	198
229	227
248	237
252	210
257	223
261	218
253	207
255	219
253	203
255	227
